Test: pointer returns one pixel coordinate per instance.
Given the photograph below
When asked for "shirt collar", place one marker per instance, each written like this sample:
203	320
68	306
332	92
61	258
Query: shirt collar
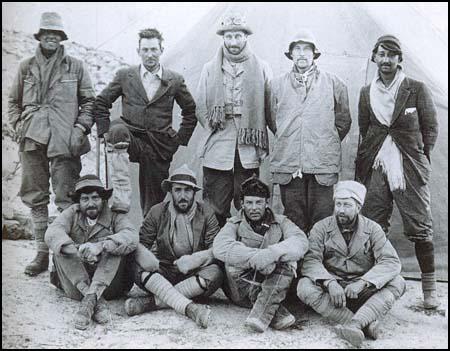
143	70
398	74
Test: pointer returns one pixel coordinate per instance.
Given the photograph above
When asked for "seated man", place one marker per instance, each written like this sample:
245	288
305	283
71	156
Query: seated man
183	231
91	247
352	272
260	250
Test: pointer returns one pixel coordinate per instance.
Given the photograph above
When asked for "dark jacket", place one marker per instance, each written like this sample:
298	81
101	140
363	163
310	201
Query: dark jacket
151	120
414	126
156	228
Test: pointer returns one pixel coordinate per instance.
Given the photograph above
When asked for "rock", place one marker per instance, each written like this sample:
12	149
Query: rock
14	230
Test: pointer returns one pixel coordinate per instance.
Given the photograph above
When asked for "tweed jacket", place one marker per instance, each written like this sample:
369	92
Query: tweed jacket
154	232
151	120
414	126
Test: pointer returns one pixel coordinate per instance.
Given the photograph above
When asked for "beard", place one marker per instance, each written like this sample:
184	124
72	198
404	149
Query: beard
344	219
183	206
92	212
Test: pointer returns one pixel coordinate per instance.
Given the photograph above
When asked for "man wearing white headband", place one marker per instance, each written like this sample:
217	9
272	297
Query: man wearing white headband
351	272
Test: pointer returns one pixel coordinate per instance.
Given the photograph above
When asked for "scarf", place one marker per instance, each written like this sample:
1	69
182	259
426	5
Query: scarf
181	236
47	69
303	81
252	130
389	158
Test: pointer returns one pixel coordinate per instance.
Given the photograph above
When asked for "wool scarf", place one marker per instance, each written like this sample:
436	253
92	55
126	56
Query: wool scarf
252	130
389	158
181	235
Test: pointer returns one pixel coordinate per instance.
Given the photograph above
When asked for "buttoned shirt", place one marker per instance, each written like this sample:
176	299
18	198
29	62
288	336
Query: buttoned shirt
150	80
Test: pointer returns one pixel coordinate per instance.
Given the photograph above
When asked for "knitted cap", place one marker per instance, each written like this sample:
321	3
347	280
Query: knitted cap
350	189
234	22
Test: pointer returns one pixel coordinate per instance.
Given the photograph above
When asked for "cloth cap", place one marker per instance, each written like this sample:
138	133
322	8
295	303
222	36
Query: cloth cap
234	22
303	36
51	21
350	189
183	175
253	186
390	42
89	183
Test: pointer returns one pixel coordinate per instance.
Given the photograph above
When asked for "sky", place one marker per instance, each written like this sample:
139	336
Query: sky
114	26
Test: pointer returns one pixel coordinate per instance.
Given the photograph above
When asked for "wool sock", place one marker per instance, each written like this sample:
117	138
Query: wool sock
375	307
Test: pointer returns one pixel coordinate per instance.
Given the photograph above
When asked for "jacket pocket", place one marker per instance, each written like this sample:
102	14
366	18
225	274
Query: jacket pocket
29	91
68	88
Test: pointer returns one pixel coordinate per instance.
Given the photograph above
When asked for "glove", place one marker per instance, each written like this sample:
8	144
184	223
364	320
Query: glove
102	126
69	249
188	263
109	246
89	252
262	259
77	140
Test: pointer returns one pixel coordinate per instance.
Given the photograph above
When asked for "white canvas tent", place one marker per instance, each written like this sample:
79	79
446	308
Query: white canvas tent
346	33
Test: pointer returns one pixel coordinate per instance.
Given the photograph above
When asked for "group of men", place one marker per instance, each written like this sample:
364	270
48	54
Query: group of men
187	249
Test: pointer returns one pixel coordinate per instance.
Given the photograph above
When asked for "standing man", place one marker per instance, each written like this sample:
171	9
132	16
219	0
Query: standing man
231	100
351	271
260	250
398	129
50	108
145	130
183	230
310	118
91	247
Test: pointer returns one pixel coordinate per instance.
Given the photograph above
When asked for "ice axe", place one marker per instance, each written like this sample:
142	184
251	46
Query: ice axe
106	159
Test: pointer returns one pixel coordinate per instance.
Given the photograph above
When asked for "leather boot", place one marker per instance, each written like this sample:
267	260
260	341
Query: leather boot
430	300
283	319
39	264
84	315
199	314
102	315
138	305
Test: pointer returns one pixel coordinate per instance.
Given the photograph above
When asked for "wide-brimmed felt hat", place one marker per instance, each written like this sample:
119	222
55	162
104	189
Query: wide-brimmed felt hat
182	175
87	184
303	36
51	21
234	22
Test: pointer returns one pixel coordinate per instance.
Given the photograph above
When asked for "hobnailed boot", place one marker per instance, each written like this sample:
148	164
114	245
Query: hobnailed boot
350	332
199	314
138	305
84	315
373	330
283	319
102	314
430	300
39	264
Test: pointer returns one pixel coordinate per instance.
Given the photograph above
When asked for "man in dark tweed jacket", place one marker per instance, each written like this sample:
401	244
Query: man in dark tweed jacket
398	127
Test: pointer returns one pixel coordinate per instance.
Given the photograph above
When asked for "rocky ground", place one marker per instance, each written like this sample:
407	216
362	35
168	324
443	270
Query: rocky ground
37	315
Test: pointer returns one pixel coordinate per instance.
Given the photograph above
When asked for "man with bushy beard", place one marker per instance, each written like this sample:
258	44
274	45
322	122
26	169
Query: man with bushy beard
180	232
232	97
91	247
351	272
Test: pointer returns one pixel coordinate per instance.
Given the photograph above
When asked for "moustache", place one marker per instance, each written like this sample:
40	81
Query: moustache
91	208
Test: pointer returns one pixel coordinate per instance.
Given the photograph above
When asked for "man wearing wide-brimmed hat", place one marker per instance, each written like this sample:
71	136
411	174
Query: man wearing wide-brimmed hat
91	247
181	231
351	271
231	105
398	127
50	109
260	251
311	117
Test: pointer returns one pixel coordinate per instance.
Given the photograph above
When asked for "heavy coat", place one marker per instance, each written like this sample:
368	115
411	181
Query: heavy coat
220	145
156	229
308	134
414	126
69	100
370	255
237	243
70	228
154	117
